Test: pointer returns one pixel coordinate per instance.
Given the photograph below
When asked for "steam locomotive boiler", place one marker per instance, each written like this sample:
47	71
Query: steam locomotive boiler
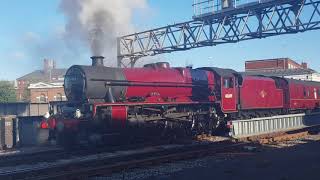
107	103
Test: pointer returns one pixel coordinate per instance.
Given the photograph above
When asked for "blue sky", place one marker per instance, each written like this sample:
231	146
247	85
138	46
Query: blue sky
25	23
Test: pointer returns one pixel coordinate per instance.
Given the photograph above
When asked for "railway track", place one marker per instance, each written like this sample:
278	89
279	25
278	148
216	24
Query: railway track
54	154
103	162
110	162
31	157
57	153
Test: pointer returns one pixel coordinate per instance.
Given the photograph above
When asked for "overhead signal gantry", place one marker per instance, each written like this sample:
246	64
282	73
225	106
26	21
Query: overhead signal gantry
222	21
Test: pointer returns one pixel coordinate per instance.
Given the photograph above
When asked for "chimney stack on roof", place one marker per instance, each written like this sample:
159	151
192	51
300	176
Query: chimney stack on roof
304	65
48	65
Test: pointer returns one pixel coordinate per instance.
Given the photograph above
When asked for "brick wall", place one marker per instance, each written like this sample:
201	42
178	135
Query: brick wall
47	95
272	64
22	86
293	65
23	109
265	64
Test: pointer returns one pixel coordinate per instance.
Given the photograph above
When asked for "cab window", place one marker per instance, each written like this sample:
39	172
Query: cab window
228	83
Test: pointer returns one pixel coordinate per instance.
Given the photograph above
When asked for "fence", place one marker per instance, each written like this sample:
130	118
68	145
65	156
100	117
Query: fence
19	123
202	7
23	109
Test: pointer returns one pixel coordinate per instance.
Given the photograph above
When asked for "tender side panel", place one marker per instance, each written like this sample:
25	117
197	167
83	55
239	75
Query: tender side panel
304	95
260	93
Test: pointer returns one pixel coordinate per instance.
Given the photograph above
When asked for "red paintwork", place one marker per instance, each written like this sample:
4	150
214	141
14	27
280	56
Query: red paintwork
97	105
298	100
260	93
170	76
211	85
229	96
119	114
52	123
158	86
71	124
44	125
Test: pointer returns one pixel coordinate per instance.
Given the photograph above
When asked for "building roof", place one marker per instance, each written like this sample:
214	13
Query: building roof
281	72
310	83
271	59
42	85
42	76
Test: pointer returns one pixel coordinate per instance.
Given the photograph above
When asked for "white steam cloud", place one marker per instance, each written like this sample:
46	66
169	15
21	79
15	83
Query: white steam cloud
97	23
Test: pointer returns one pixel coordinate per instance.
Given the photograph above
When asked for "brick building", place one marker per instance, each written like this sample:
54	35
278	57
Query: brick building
273	64
46	92
281	67
42	85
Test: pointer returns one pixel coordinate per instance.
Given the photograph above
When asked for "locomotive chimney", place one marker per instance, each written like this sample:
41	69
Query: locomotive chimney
97	60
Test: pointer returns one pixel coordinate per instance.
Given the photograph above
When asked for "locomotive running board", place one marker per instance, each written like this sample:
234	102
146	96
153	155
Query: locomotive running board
265	125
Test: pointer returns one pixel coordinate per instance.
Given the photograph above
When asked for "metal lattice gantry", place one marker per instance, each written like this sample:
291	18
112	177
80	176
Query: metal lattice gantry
231	23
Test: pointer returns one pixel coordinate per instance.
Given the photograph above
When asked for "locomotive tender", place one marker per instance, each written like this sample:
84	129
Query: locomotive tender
105	102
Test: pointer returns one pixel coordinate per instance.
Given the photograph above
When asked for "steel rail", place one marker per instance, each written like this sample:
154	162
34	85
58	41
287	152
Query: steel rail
111	162
107	163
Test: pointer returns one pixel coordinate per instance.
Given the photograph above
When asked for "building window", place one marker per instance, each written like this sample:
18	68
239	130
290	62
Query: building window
43	98
58	97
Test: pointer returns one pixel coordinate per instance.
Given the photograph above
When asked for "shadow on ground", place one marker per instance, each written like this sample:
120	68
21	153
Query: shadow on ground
294	160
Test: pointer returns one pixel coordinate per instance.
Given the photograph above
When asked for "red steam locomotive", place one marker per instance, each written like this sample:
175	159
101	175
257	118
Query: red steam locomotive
105	102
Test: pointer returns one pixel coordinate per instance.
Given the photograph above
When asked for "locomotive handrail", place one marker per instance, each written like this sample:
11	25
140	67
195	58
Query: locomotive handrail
111	82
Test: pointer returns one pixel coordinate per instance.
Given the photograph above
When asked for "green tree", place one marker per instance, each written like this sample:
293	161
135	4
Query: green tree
7	92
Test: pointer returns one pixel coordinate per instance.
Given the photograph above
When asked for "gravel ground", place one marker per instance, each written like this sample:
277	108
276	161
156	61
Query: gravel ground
297	159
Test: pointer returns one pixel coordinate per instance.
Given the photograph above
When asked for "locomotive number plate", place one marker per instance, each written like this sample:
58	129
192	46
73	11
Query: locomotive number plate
228	96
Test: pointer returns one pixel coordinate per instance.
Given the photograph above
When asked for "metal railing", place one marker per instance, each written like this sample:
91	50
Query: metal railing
266	125
204	7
